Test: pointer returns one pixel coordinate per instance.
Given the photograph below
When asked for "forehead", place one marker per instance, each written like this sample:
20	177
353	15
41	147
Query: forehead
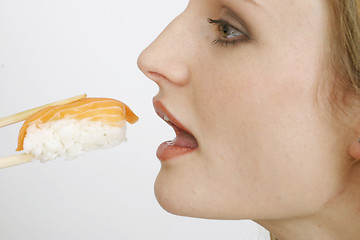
268	3
271	6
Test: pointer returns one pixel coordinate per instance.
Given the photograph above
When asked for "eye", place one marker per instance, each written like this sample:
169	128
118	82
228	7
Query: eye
227	33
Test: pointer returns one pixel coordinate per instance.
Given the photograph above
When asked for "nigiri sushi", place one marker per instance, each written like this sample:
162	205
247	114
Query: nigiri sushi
67	131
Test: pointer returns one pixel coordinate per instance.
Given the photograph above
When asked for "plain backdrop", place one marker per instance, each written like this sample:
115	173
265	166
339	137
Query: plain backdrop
55	49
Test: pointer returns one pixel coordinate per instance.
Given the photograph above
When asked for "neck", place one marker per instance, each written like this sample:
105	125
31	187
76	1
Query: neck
338	219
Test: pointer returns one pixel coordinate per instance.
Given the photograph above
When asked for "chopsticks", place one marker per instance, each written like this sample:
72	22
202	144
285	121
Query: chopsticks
18	117
15	160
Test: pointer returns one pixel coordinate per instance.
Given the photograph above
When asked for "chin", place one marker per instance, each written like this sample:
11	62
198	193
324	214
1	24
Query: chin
190	198
179	198
170	199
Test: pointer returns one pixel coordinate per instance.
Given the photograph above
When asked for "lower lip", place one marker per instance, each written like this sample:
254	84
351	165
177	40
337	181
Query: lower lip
169	150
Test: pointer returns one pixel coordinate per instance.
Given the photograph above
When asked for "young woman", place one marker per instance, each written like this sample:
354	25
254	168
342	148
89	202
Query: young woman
264	99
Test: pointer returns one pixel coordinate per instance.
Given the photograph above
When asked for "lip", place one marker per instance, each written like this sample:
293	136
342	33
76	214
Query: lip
184	142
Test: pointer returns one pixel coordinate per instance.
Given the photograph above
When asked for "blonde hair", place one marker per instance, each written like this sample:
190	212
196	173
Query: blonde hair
344	56
272	237
344	46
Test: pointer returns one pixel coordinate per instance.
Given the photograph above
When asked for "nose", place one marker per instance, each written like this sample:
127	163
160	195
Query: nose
165	60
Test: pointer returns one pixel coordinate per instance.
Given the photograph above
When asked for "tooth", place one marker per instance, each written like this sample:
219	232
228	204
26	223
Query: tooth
166	118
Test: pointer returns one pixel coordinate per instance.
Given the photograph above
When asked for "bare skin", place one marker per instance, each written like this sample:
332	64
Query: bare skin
264	150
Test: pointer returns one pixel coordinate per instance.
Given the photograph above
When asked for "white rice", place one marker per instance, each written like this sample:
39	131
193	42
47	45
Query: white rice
69	138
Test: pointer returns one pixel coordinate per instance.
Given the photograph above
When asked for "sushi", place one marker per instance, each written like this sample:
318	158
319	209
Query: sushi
69	130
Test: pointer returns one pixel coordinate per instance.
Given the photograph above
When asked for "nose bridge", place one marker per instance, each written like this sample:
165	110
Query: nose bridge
167	58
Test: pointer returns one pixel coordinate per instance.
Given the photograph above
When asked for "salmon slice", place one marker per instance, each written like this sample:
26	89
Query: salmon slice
110	111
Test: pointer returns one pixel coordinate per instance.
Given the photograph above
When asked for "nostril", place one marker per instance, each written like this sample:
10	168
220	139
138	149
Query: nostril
155	74
146	64
156	77
163	66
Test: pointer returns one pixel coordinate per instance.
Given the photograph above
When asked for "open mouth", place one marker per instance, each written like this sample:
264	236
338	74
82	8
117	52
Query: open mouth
184	141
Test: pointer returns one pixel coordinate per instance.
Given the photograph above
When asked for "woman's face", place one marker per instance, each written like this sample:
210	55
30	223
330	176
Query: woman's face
241	77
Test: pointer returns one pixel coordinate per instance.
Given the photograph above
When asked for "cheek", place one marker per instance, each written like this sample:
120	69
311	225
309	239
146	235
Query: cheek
252	98
272	92
261	131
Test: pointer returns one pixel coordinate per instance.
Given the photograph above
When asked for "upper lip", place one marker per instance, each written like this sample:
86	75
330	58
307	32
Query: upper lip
163	113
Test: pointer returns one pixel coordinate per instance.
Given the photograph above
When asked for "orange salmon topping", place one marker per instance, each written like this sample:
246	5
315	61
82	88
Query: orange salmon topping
109	111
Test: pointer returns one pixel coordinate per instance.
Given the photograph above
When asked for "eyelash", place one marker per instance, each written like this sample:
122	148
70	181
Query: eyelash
220	23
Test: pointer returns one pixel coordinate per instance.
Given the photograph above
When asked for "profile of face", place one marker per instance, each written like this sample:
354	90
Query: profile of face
238	80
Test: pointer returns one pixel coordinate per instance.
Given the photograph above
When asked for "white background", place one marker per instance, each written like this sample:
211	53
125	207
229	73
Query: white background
54	49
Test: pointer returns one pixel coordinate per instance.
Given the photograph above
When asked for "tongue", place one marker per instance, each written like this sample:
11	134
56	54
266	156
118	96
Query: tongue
184	139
